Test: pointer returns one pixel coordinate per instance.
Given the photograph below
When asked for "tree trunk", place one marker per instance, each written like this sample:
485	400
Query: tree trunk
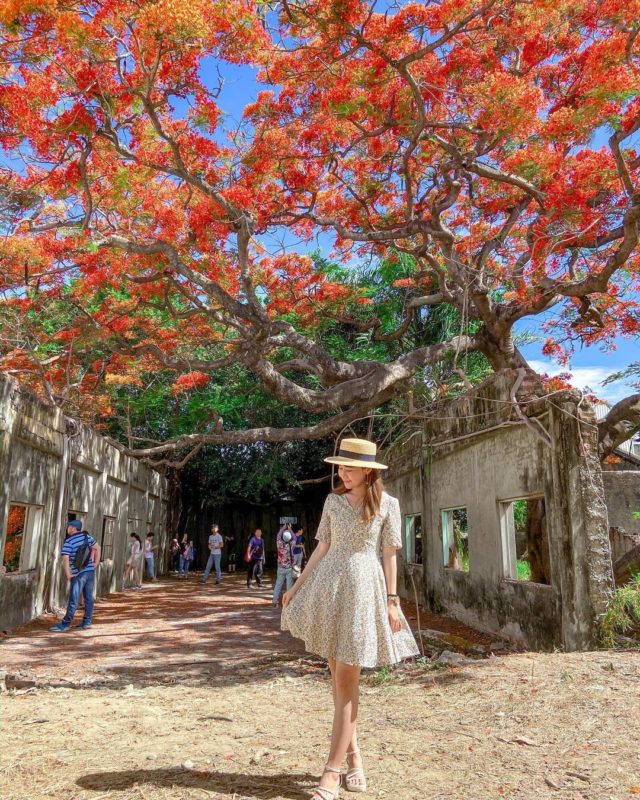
537	541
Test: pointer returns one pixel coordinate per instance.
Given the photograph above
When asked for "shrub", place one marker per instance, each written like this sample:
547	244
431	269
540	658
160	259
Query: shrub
623	613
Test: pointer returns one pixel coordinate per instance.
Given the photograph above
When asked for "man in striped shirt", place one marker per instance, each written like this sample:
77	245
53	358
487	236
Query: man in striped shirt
81	580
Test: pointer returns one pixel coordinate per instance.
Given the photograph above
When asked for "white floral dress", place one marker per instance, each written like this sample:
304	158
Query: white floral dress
340	611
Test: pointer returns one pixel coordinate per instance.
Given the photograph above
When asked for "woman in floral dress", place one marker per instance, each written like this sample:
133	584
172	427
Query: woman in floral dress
345	604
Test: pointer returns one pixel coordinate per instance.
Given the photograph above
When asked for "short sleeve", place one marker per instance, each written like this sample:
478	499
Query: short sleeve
391	532
323	534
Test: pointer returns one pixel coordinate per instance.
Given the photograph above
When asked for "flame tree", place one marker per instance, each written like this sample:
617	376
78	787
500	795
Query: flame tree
494	144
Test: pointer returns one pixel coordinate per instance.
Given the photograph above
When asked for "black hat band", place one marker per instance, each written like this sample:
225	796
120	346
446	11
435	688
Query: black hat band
359	456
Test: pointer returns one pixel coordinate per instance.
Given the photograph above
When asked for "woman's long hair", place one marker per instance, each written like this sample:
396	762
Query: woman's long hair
135	536
372	496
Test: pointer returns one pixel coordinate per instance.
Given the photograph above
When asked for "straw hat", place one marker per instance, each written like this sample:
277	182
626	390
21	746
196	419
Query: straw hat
356	453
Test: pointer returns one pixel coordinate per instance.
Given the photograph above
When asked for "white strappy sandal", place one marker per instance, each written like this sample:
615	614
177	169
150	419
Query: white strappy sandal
349	784
322	792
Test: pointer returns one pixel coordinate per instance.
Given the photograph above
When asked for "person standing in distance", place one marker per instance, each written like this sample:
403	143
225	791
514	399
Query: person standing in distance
216	543
149	557
230	549
255	558
133	567
299	553
174	554
284	539
81	577
186	550
345	604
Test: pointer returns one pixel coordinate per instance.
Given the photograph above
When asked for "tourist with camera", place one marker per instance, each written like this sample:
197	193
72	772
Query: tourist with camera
284	548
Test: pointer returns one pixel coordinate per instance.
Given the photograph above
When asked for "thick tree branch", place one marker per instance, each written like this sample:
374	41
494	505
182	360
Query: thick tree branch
620	424
253	435
368	388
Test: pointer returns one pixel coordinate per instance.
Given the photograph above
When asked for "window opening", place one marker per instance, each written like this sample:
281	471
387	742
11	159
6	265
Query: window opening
106	542
455	538
525	543
16	528
413	538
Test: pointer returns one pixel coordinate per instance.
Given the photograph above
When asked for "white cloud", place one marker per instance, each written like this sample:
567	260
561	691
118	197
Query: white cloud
587	378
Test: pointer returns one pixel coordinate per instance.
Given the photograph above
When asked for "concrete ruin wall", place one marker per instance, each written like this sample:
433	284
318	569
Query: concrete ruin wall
54	467
622	493
480	455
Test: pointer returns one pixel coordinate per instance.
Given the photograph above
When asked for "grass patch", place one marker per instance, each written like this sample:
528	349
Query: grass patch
623	613
383	676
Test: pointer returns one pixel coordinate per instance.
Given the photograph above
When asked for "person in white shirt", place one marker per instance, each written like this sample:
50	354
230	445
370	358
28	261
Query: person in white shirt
216	543
149	557
133	567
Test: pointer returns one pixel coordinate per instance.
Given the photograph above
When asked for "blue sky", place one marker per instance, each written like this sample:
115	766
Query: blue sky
590	366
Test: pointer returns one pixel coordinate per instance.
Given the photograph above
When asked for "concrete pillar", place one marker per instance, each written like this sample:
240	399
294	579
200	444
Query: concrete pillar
581	553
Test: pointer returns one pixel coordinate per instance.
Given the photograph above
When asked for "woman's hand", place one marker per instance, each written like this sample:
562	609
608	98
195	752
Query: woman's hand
287	597
394	618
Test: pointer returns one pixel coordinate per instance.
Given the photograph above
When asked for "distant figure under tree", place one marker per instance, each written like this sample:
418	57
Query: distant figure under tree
134	565
255	558
216	543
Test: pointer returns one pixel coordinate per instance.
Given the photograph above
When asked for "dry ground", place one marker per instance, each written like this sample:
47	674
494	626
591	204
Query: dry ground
182	673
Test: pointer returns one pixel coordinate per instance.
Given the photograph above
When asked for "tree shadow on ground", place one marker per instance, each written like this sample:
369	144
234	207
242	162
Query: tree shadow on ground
179	632
173	631
289	785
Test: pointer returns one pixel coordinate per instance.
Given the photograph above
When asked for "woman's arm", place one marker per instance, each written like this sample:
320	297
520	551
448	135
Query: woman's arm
390	569
318	554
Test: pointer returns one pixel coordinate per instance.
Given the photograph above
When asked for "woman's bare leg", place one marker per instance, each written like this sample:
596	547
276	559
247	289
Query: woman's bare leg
353	744
355	760
346	694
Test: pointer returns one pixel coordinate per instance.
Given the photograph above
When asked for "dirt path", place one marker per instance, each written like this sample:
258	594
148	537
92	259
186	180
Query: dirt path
182	691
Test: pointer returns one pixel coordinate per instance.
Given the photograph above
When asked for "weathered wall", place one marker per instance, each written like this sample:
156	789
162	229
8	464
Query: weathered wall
406	481
480	454
622	493
55	467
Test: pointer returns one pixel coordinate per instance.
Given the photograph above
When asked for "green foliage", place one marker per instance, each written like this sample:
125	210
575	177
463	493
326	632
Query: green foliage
255	474
520	514
524	570
153	412
631	372
383	676
623	613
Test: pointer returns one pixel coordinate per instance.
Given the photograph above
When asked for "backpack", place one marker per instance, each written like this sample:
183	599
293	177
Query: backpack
82	554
